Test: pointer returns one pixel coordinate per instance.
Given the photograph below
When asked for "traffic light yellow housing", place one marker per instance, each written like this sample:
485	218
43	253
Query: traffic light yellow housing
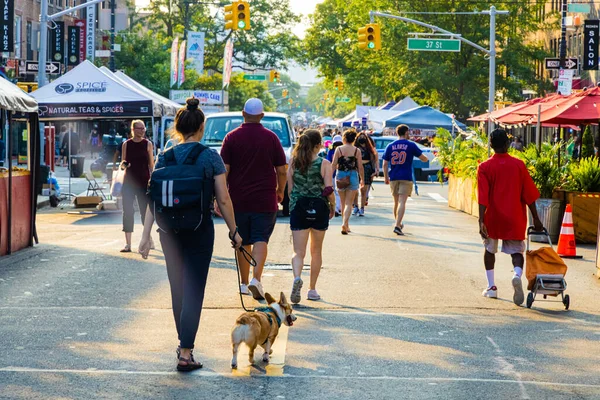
369	37
284	93
273	76
243	15
231	16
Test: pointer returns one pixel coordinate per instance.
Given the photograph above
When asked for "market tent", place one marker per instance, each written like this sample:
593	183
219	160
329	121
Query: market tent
424	117
169	106
405	104
157	110
347	120
14	99
387	105
86	92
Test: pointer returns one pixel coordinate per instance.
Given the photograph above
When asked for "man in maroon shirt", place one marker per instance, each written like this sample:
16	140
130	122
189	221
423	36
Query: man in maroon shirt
505	188
256	174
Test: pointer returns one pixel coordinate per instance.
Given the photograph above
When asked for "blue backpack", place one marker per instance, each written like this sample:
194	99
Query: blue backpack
182	196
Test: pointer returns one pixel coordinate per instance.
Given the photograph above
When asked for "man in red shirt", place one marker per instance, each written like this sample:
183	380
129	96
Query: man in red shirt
256	175
505	188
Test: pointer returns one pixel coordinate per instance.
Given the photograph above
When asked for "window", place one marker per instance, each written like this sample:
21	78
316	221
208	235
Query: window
216	129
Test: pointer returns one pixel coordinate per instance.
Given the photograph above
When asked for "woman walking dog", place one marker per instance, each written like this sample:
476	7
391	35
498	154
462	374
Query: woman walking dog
312	205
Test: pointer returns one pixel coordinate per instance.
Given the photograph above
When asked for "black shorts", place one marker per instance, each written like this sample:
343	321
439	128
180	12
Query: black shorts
310	213
368	171
255	227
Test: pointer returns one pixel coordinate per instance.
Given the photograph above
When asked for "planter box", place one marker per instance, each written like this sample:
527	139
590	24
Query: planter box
586	210
462	195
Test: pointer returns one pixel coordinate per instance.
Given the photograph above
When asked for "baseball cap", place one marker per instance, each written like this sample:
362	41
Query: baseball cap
253	106
337	138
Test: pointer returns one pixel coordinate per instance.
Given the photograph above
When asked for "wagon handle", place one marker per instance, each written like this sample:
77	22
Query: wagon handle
531	231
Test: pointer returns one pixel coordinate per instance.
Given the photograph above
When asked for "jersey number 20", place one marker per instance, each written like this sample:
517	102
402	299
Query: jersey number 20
398	157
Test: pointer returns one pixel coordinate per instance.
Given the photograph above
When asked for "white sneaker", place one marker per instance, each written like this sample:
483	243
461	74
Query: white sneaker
257	290
244	289
492	292
519	296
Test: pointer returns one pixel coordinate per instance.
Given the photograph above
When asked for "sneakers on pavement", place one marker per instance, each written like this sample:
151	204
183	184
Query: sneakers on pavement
355	210
519	296
313	295
361	212
244	289
295	296
398	231
492	292
257	290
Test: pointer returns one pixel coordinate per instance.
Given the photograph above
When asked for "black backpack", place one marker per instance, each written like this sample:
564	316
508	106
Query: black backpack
180	193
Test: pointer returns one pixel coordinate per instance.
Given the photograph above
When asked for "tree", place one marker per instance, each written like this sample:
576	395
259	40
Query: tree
455	82
587	143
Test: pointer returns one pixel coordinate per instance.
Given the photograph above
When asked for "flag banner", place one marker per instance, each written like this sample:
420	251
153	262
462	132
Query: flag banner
73	46
227	62
195	50
174	66
80	23
90	33
7	25
181	73
58	42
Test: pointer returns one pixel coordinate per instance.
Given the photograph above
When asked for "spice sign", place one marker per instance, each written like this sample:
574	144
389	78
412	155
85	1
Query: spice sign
90	38
7	26
591	31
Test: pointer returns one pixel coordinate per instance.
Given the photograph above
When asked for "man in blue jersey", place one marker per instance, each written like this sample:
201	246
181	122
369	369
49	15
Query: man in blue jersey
398	171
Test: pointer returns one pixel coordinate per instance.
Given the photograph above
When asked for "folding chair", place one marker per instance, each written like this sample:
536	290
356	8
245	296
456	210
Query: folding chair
93	186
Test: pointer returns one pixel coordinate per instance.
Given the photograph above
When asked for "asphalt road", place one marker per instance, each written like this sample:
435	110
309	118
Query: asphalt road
401	318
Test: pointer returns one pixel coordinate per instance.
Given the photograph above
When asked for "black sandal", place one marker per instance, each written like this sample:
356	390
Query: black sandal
190	364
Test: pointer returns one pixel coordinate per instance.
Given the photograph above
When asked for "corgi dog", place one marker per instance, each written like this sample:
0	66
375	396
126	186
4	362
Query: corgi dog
260	327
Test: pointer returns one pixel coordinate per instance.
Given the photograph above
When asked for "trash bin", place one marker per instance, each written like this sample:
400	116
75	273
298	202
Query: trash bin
549	211
77	166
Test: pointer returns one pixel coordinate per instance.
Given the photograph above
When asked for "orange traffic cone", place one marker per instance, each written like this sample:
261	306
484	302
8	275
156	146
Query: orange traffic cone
566	240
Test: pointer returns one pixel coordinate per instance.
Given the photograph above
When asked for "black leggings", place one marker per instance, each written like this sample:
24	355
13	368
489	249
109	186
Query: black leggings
130	193
188	258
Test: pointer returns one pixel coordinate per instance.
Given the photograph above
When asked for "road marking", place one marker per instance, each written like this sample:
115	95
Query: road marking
437	197
211	374
506	368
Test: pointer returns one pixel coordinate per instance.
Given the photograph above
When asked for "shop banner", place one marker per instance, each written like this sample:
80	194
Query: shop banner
57	42
591	31
174	59
73	45
99	110
7	26
195	50
205	96
90	33
227	62
181	70
80	23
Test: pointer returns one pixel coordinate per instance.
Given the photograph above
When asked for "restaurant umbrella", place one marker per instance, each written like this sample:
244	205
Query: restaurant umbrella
579	109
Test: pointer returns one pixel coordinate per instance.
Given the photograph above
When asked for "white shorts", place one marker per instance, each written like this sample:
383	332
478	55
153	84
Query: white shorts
508	246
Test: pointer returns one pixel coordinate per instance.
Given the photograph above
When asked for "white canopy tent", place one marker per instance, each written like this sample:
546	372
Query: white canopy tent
14	99
169	106
406	104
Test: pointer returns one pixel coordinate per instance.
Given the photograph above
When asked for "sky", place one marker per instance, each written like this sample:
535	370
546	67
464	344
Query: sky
302	7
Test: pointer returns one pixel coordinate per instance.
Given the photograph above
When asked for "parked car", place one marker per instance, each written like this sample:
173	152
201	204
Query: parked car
422	169
218	125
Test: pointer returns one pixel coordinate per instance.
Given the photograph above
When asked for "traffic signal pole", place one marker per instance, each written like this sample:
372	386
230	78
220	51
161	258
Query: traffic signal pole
491	52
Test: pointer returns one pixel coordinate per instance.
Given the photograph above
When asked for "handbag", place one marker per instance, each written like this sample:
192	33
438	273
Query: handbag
342	183
309	207
117	183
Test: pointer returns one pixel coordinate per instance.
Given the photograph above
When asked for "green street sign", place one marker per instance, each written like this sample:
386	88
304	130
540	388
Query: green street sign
255	77
342	99
418	44
579	8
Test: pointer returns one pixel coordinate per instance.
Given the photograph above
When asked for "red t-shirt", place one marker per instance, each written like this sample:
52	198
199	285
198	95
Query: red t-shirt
505	188
252	153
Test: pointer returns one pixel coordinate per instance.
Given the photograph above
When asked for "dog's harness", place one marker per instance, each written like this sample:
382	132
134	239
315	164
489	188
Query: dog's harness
266	310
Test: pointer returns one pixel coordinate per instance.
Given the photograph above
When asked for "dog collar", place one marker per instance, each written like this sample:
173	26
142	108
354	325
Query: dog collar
267	311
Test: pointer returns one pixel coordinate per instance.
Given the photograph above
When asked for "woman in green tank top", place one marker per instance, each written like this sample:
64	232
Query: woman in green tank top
312	205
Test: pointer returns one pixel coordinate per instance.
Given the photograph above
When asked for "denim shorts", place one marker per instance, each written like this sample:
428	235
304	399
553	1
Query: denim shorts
354	181
255	227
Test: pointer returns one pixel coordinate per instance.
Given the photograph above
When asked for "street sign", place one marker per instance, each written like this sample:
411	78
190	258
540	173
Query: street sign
102	53
51	67
579	8
570	63
255	77
431	44
565	82
342	99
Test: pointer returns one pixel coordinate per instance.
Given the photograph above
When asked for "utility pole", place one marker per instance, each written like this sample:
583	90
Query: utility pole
112	34
563	34
44	19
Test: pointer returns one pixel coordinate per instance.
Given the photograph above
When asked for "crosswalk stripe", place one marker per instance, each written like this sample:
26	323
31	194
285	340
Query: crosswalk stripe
437	197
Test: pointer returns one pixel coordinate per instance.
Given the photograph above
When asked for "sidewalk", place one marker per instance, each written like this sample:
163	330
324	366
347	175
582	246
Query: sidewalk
78	185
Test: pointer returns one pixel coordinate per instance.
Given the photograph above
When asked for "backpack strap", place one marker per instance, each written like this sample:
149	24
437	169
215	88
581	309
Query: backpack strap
194	154
170	157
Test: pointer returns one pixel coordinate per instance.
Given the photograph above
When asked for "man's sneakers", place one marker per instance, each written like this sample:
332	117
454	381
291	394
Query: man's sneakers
398	231
519	296
355	210
361	212
257	290
492	292
244	289
295	296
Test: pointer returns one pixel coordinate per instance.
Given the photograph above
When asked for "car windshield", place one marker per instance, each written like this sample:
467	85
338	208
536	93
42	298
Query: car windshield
217	127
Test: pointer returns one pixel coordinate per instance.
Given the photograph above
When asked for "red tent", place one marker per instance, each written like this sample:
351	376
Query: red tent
579	108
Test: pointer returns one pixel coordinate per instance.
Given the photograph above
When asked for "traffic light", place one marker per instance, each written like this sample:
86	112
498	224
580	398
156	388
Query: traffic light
231	21
242	12
28	86
290	102
369	37
284	93
341	84
325	96
273	76
336	84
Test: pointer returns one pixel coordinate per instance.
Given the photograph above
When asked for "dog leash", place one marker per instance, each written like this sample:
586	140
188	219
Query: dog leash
252	263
